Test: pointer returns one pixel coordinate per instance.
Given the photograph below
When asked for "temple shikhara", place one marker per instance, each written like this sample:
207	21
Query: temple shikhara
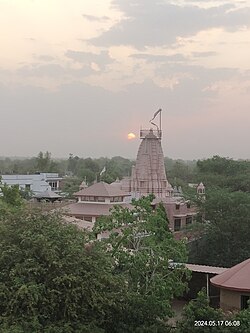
148	176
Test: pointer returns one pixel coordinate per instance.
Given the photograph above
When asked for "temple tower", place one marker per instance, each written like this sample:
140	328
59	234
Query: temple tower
148	175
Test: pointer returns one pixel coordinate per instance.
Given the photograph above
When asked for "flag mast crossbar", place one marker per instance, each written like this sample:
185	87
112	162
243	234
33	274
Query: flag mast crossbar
158	131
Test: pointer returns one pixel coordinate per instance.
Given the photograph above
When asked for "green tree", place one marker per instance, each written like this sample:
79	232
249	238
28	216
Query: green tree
199	317
142	245
226	235
91	165
11	195
87	174
52	279
72	163
116	167
243	318
224	173
44	163
71	185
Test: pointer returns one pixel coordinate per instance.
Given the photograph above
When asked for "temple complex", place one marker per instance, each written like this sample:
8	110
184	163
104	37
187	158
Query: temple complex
149	176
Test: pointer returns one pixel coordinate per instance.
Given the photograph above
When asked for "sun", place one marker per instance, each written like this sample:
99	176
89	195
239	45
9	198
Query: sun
131	136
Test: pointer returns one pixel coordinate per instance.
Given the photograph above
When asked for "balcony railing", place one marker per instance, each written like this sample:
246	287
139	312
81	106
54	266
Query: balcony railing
145	132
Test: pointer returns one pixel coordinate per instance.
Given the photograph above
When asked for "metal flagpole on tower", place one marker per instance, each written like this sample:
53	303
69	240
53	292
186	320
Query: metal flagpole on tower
160	124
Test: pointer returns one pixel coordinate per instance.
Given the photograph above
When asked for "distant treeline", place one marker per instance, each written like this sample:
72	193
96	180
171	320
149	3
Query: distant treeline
225	239
213	172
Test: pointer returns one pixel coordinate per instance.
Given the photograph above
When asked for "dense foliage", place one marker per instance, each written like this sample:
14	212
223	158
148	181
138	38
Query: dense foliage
142	245
50	281
226	232
55	278
74	166
225	173
216	171
199	317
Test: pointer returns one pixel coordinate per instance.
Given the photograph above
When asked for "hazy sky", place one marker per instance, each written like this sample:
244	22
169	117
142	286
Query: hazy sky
78	76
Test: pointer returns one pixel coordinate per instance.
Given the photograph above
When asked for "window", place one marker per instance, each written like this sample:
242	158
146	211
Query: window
177	224
188	220
53	185
244	301
177	206
142	184
88	218
116	199
27	187
188	205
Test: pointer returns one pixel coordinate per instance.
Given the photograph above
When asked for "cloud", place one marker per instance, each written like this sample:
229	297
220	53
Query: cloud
38	70
30	39
102	59
55	71
174	58
150	23
195	79
93	18
204	54
91	121
159	58
44	57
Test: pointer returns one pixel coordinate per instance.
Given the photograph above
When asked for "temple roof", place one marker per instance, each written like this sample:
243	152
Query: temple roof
86	225
91	209
47	194
235	278
150	160
117	183
101	189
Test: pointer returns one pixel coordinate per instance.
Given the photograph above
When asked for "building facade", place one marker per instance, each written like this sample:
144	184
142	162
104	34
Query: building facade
36	183
95	201
234	285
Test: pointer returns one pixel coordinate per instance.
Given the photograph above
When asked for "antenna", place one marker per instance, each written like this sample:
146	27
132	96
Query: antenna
157	132
158	127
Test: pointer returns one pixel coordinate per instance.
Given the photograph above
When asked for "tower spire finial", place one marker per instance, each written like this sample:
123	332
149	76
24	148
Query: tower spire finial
151	121
157	132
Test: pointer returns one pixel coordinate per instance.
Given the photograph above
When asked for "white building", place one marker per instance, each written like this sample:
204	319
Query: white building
35	183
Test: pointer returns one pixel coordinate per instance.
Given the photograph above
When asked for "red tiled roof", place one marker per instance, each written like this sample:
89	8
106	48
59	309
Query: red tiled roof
90	209
234	278
79	223
101	190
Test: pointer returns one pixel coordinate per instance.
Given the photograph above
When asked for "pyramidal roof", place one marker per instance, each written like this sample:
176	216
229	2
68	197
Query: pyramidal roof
235	278
101	189
48	194
150	159
149	174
